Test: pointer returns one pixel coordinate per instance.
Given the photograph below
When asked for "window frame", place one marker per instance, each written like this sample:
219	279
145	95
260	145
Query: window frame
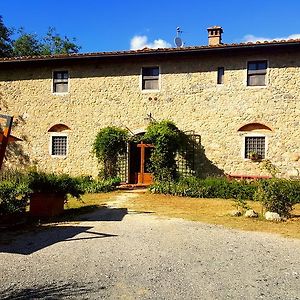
254	135
53	82
142	79
58	134
220	75
257	72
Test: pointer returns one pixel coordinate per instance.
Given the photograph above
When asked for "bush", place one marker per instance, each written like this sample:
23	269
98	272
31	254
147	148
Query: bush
110	143
167	140
63	184
279	195
207	188
90	185
14	197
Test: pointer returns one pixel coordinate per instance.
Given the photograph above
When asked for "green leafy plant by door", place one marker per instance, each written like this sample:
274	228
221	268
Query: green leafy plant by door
167	140
110	143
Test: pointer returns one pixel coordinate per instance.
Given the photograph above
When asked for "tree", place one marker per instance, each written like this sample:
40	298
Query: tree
27	44
5	40
53	43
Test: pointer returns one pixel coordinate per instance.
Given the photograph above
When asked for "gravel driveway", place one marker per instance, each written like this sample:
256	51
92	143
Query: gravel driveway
118	254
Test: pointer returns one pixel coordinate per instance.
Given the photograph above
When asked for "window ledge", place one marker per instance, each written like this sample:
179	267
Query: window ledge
257	86
59	156
150	91
60	94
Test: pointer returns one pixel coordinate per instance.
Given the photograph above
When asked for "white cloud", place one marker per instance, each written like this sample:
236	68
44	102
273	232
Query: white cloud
141	42
253	38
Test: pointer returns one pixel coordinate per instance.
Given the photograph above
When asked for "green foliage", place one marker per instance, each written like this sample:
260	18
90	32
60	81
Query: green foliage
207	188
14	196
279	195
53	183
269	167
26	44
167	140
5	40
90	185
110	143
53	43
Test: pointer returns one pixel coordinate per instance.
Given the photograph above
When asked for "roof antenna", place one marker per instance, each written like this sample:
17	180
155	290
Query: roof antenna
178	41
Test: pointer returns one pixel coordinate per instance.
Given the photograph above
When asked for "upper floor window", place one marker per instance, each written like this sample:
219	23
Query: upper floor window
60	81
150	78
256	73
220	75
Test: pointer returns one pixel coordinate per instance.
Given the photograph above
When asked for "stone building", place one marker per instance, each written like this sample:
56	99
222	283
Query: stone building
241	100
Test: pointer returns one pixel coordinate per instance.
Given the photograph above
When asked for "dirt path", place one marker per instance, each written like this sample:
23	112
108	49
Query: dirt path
119	254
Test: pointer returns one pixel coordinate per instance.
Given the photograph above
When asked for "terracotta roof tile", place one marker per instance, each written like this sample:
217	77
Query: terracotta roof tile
151	51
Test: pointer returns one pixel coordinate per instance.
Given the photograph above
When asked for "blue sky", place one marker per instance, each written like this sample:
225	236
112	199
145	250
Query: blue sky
112	25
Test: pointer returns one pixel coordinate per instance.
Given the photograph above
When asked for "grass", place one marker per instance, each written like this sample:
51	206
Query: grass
88	203
211	211
214	211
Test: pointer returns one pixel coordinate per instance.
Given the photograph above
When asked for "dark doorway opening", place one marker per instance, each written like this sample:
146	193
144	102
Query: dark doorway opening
139	161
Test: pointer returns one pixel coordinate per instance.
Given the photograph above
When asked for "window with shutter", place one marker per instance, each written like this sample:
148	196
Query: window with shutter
60	81
256	73
150	78
220	76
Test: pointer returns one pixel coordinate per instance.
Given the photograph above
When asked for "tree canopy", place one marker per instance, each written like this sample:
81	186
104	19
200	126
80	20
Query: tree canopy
30	44
5	40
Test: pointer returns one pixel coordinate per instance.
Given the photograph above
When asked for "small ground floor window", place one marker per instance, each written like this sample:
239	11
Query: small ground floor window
255	145
59	145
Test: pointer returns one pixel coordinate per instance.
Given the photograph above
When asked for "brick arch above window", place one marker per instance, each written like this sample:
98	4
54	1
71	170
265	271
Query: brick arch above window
254	127
59	128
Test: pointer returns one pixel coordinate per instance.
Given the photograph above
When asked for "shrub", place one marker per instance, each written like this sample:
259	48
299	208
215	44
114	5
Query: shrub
90	185
207	188
109	144
279	195
14	196
167	140
53	183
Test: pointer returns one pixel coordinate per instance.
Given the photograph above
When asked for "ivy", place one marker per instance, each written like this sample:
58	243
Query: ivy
167	140
110	143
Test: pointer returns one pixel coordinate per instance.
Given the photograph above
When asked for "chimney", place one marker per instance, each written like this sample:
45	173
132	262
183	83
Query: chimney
214	35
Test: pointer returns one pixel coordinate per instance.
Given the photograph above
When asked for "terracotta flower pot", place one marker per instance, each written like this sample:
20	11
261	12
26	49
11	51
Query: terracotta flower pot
46	204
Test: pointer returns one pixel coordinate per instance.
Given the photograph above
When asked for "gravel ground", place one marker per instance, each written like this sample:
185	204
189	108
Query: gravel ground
116	254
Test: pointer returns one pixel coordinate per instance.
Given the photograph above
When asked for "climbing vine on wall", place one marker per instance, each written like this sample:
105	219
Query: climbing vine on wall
168	140
110	142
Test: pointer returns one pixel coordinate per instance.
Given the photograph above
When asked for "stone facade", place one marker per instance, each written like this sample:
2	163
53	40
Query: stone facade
108	92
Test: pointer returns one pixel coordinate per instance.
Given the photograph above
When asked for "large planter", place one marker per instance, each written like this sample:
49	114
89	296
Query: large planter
46	204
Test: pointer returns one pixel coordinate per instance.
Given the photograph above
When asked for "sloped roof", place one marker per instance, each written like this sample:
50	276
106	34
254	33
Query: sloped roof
159	51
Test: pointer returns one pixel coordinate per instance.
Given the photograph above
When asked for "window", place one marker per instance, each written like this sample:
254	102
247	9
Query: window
150	78
255	145
59	145
256	73
60	81
220	77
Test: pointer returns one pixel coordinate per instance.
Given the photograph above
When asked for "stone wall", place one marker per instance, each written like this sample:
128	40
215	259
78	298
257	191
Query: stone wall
109	93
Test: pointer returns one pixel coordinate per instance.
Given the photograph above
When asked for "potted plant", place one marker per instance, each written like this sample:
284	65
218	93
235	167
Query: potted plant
49	193
253	155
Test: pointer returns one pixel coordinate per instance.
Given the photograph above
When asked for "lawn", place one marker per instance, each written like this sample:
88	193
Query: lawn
212	211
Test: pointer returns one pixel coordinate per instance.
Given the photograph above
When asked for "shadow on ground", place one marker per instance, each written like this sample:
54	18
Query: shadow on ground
49	291
34	238
45	236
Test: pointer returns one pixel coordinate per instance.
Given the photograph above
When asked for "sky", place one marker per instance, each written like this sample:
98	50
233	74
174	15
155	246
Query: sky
131	24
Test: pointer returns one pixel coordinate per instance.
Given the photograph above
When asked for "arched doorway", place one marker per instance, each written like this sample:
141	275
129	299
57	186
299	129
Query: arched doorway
138	162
